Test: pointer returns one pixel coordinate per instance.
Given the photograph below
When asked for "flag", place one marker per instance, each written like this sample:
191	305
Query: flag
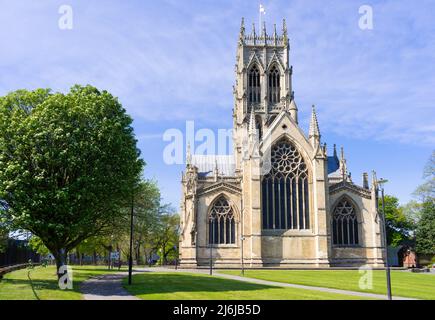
262	9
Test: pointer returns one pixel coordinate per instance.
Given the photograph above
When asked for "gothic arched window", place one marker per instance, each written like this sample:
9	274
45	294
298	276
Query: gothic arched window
285	192
345	224
222	227
274	86
254	88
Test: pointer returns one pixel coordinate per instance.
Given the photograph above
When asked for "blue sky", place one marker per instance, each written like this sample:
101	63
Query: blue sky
172	61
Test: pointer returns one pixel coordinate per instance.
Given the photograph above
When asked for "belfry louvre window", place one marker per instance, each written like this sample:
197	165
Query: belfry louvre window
345	224
274	87
254	88
222	228
285	192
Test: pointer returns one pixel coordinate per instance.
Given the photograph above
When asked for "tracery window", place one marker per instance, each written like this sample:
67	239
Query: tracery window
345	224
274	85
254	87
222	227
285	192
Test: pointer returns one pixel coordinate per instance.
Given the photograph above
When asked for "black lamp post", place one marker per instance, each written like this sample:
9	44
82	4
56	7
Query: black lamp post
176	257
211	244
130	259
384	222
242	238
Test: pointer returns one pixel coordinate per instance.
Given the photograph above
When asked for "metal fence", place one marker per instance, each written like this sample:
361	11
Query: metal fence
17	252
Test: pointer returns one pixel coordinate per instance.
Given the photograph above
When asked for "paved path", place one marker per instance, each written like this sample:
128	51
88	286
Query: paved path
281	284
109	287
106	287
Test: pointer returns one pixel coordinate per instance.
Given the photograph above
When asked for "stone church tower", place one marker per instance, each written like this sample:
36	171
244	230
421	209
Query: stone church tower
279	200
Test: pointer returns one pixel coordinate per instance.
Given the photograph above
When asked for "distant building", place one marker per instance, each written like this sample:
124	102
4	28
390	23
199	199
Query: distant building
279	200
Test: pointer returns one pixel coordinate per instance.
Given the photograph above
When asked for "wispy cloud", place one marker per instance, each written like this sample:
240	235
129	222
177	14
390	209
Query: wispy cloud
176	60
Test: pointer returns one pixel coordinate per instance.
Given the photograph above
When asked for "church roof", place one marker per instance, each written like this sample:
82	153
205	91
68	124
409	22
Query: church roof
333	164
207	164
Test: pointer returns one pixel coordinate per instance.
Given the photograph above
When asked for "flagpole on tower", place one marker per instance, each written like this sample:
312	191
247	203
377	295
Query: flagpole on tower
262	11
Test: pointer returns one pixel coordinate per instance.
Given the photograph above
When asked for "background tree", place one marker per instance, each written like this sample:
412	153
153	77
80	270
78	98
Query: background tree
399	227
425	233
146	218
168	236
426	191
4	236
4	230
67	164
36	244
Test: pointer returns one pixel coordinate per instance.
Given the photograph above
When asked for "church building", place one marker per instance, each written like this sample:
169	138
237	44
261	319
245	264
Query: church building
279	200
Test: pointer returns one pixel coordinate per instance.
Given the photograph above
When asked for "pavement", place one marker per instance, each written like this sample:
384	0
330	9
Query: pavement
106	287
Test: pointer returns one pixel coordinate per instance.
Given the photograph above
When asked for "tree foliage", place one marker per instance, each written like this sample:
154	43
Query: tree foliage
67	164
425	234
426	191
399	227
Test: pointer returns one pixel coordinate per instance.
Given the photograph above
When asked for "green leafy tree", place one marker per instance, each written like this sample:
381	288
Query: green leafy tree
4	236
36	244
168	236
425	234
68	163
399	227
146	218
426	191
146	225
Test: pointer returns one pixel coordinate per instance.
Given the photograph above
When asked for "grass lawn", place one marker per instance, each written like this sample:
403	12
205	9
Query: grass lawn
190	286
404	284
41	283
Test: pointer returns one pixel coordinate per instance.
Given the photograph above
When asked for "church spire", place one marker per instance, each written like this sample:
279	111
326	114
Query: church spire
188	156
343	166
275	35
284	31
314	125
242	31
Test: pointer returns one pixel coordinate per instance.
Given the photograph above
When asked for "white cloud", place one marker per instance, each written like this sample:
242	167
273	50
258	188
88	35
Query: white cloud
176	60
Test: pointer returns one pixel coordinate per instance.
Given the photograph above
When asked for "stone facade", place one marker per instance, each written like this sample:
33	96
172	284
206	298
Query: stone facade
279	200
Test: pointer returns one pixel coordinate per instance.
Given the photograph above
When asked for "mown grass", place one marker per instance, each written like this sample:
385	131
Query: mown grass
41	283
404	284
189	286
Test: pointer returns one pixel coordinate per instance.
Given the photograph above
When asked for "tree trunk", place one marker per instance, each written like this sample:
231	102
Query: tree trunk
60	257
79	256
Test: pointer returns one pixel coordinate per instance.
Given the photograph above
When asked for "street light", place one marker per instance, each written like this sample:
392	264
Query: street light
384	222
176	257
211	244
130	259
242	238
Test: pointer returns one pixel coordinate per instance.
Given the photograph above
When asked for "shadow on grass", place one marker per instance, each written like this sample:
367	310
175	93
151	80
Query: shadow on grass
32	285
39	281
160	283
